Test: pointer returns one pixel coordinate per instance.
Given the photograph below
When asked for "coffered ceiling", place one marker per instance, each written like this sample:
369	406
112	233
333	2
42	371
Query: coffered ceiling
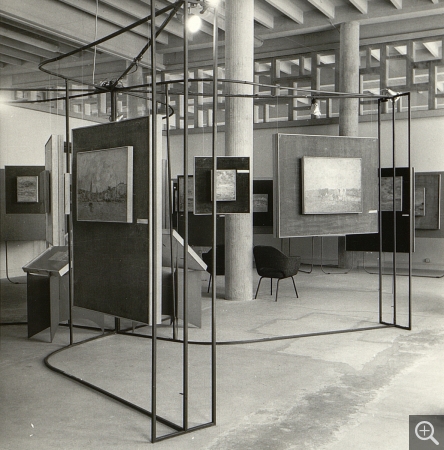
32	31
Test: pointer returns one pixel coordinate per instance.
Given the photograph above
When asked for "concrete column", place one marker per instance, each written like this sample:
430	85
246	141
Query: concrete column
239	65
349	78
348	107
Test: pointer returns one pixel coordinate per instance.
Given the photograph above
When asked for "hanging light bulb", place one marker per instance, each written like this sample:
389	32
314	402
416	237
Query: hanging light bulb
315	110
194	23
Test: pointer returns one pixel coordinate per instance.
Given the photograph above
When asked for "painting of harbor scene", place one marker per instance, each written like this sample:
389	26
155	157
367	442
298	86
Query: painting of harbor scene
331	185
105	185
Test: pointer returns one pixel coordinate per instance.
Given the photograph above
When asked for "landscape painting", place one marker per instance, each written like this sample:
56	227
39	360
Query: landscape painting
105	185
387	193
420	201
260	203
27	189
225	185
331	185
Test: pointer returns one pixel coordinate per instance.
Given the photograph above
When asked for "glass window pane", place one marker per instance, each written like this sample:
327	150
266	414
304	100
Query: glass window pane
420	76
396	71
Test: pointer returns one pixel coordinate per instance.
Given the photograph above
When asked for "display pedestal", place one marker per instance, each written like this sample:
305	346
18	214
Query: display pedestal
47	278
194	295
195	268
48	293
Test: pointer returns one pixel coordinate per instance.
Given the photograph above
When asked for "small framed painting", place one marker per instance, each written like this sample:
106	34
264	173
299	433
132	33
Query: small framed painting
27	189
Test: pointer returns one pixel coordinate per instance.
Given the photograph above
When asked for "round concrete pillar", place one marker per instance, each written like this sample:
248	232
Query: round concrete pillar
348	107
349	78
239	65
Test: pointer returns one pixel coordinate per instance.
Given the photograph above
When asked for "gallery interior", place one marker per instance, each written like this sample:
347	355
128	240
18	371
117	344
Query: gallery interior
221	223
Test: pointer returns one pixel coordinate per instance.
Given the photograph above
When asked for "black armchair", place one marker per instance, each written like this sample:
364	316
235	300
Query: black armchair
220	262
272	263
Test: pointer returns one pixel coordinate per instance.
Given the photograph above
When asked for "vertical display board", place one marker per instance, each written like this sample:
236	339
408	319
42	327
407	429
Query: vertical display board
325	185
20	221
370	242
112	258
263	206
55	165
428	200
232	181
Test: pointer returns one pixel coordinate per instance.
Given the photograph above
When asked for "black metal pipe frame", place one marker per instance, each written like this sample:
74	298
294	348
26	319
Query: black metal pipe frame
69	218
379	211
153	244
214	218
393	99
395	246
170	213
153	414
185	247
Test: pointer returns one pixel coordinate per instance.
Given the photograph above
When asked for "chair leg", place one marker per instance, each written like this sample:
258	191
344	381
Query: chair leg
209	283
277	288
257	290
292	279
271	286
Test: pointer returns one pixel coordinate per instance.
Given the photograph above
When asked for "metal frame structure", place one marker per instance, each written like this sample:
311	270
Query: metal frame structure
394	98
113	88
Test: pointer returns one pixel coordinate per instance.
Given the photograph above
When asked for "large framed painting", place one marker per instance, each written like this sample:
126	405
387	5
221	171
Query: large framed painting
28	189
105	185
331	185
339	203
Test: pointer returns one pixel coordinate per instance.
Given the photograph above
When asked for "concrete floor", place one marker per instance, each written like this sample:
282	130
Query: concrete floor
333	391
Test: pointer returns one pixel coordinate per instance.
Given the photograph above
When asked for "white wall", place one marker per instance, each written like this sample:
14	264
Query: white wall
23	135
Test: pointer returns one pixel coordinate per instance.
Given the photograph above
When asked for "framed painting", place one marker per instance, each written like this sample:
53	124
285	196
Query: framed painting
225	185
260	203
105	185
387	193
27	189
331	185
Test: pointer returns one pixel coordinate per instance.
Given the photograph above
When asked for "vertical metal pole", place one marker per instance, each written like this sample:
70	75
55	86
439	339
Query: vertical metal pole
412	208
394	211
214	212
152	177
170	206
185	248
113	118
68	169
379	211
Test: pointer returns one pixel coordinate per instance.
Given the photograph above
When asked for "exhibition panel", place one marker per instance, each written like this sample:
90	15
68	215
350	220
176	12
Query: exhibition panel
353	180
110	253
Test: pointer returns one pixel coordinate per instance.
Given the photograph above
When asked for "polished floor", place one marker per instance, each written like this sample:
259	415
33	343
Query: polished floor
287	376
